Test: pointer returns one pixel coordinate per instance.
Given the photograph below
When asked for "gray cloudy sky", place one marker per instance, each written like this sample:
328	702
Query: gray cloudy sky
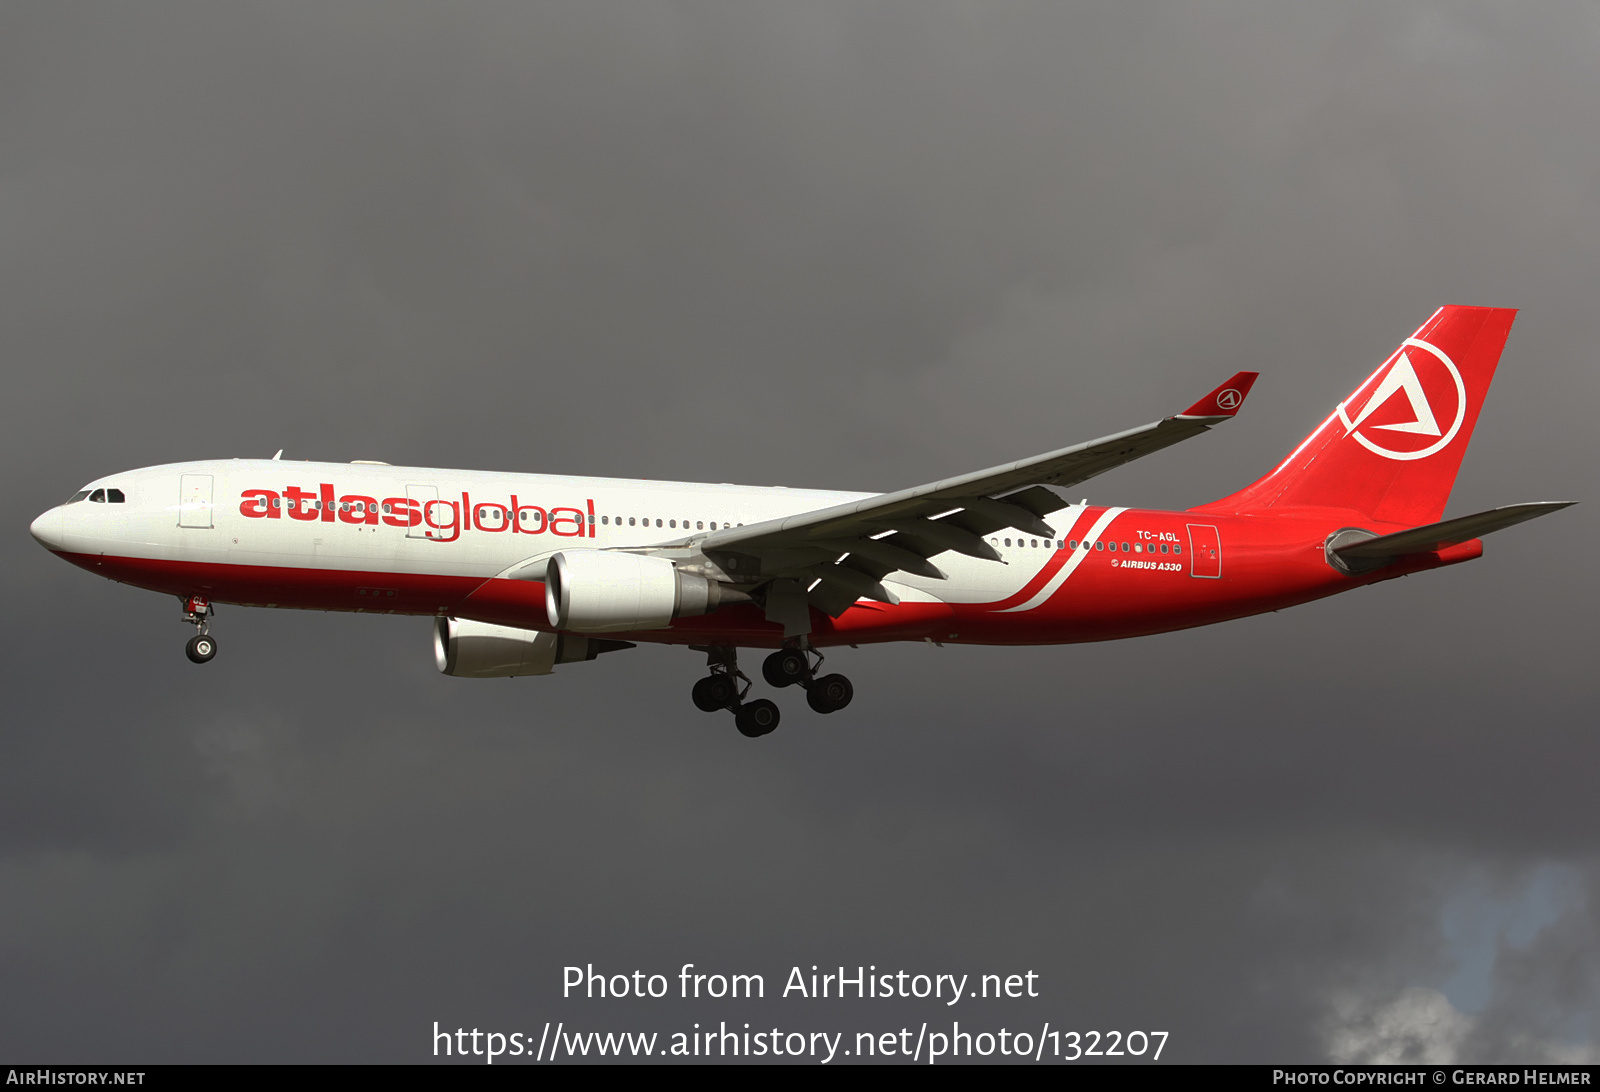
843	245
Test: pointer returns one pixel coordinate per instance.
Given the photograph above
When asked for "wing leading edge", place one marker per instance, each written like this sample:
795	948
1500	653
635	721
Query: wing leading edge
845	551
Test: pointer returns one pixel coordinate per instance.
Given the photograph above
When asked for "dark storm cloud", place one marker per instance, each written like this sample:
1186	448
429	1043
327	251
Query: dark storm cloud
837	245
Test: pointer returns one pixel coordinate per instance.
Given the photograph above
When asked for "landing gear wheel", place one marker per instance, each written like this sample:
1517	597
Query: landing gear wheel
830	693
756	718
201	648
714	692
785	667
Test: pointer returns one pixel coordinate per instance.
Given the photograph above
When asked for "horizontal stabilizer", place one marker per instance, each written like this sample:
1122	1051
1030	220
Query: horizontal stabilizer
1437	536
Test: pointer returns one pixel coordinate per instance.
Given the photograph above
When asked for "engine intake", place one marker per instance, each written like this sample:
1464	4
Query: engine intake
479	650
595	591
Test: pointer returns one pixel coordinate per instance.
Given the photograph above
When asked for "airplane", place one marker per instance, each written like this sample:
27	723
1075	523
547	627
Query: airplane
526	572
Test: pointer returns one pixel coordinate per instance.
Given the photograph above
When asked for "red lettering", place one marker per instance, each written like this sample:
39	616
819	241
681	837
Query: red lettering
404	512
429	507
477	516
300	503
526	519
360	509
536	521
575	521
257	504
401	512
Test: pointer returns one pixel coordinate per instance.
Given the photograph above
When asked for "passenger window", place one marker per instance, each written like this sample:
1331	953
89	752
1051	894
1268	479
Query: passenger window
115	496
98	496
699	526
1072	543
1008	542
386	508
658	523
1033	542
277	502
1176	548
1098	545
1163	547
1124	547
673	522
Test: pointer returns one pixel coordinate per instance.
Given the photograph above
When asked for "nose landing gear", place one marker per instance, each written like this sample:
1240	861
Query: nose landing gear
197	611
201	647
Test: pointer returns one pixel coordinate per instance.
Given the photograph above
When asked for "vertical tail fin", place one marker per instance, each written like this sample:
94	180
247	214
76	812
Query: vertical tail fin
1390	451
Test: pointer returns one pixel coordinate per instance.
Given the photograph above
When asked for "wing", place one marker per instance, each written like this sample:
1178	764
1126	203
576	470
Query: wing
848	549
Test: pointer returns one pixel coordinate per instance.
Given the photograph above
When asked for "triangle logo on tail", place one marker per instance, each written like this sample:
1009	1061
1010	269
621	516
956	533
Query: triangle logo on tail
1402	378
1435	387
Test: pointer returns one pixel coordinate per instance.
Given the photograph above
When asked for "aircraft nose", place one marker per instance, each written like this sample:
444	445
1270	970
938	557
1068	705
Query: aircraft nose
47	529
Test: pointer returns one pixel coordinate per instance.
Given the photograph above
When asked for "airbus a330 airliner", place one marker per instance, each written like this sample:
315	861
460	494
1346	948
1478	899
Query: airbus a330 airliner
523	572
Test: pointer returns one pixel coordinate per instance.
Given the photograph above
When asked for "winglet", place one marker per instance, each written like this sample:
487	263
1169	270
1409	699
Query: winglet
1225	400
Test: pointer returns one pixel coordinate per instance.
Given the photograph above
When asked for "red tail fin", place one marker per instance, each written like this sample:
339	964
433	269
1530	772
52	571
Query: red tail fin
1391	450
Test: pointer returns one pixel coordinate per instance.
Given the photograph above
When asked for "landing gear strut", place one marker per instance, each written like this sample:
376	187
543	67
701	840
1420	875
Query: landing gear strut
722	689
825	694
197	611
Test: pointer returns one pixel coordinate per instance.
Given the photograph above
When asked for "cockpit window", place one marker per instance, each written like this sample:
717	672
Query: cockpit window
98	496
78	496
115	496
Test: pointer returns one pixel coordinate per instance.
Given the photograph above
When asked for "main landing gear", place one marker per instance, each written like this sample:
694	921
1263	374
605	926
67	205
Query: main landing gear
825	694
726	687
722	690
197	611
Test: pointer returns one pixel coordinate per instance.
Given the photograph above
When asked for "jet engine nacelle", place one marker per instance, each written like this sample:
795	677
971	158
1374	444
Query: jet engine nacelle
478	650
595	591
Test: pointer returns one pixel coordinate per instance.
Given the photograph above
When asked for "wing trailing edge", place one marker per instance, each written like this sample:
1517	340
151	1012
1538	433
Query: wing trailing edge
844	552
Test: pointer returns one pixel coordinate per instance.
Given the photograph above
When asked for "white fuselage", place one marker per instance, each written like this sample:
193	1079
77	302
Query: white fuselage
468	524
